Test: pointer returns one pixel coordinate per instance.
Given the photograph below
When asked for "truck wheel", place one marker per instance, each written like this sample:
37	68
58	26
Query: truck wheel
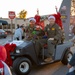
67	57
22	66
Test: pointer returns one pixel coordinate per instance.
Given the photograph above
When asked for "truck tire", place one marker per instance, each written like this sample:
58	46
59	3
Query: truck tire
22	66
67	57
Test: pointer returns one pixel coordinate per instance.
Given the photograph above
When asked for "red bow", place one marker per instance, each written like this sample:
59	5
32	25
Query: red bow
9	48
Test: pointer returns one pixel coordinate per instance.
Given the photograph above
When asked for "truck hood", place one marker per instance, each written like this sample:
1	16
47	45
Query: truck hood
20	44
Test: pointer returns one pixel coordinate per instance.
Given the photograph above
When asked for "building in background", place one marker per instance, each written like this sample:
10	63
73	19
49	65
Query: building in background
16	21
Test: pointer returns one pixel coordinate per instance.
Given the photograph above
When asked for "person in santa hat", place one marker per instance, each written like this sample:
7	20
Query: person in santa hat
4	69
53	36
32	29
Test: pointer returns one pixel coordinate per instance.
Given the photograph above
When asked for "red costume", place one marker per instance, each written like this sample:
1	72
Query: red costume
4	69
37	17
38	22
3	56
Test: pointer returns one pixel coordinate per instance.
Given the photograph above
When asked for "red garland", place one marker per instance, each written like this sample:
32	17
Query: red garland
9	48
37	17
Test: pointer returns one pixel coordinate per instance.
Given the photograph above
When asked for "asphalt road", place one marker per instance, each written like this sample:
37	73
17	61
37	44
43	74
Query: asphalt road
51	69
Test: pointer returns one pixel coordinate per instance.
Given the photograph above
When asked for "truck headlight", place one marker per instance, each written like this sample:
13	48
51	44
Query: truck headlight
12	57
18	51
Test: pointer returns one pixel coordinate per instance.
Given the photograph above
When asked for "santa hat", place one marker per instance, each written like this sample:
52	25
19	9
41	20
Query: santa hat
32	19
3	54
4	69
51	17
